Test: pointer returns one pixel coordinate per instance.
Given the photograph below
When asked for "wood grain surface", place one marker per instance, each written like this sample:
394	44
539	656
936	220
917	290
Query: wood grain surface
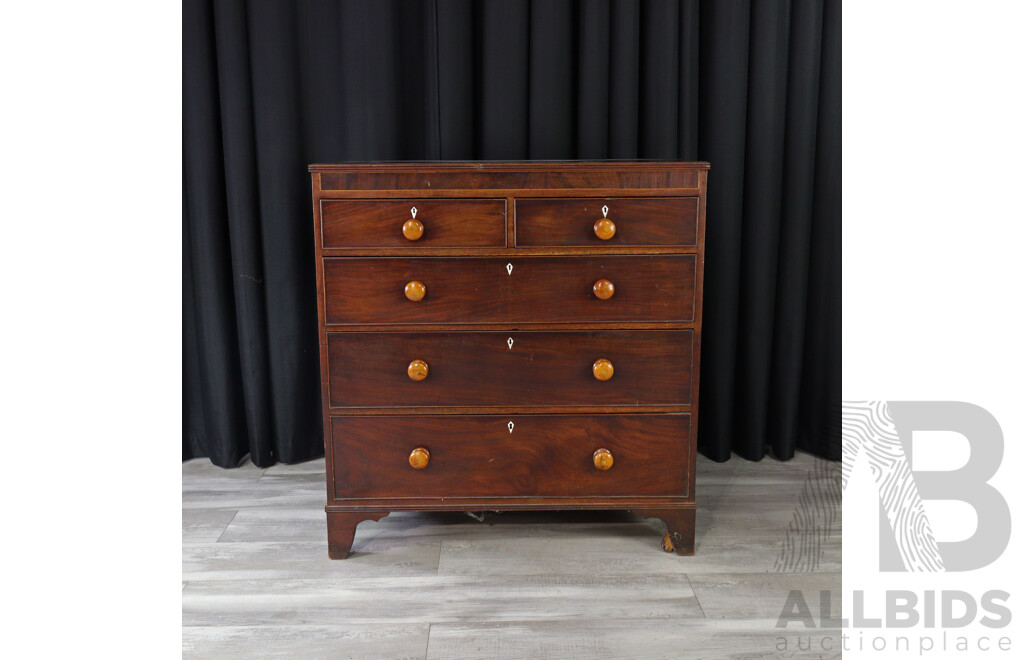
371	369
543	455
446	223
481	290
508	176
638	221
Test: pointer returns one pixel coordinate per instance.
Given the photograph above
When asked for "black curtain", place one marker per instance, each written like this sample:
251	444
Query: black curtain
272	85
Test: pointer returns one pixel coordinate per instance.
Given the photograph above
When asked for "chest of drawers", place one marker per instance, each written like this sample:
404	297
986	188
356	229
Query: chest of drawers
510	336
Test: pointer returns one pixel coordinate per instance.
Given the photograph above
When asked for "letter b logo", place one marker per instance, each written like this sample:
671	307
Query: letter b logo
883	431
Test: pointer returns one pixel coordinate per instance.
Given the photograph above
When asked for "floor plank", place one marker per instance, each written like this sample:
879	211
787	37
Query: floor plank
614	549
203	468
254	495
274	561
313	642
607	550
628	639
204	525
278	524
315	466
734	596
436	599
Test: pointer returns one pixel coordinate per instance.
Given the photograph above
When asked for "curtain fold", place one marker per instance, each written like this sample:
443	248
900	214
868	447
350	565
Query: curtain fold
272	86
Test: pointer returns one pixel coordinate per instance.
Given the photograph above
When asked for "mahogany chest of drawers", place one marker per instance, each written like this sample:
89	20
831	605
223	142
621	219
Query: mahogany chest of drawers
510	336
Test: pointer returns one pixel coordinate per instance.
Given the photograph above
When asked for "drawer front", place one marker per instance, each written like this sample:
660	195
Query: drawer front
544	455
443	222
649	367
482	290
637	222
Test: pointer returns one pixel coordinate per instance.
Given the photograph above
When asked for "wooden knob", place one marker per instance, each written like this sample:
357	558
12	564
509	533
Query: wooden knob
603	369
419	458
604	289
418	370
412	229
604	228
415	291
603	459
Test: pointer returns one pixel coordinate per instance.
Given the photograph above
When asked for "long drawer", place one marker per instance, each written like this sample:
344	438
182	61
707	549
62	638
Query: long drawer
509	369
516	290
535	455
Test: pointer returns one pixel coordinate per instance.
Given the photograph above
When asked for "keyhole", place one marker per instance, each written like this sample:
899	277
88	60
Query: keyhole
413	211
510	343
509	268
510	427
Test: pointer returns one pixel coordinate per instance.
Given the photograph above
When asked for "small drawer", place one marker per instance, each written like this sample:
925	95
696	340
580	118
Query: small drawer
514	369
635	221
394	223
520	290
528	455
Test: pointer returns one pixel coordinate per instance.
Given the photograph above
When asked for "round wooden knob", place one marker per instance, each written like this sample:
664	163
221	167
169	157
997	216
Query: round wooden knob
603	369
418	370
604	289
415	291
604	228
603	459
412	229
419	458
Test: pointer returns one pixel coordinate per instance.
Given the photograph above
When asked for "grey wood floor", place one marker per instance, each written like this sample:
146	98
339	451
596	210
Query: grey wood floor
258	583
